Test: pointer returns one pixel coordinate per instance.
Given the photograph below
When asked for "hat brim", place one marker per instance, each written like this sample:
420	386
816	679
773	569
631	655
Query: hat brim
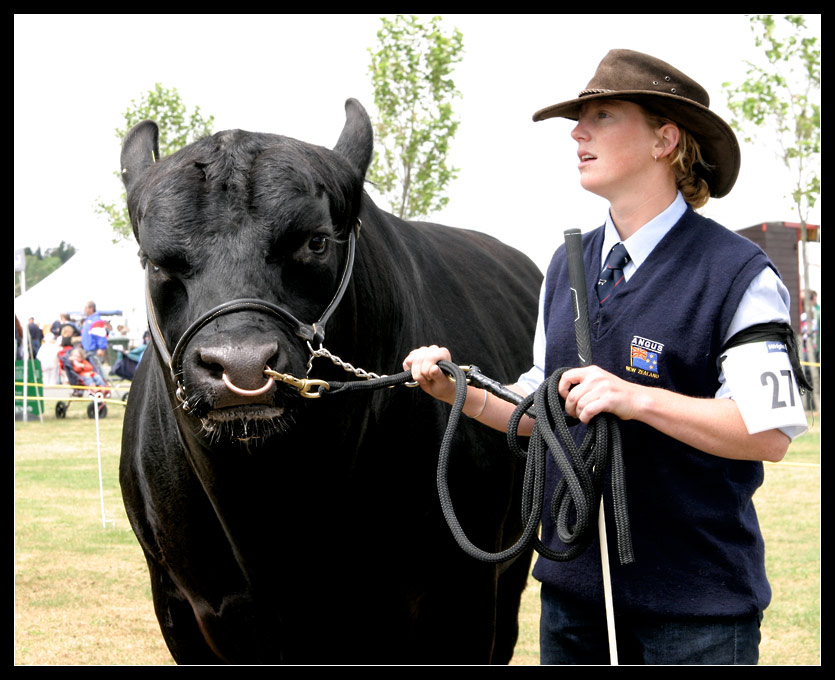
716	139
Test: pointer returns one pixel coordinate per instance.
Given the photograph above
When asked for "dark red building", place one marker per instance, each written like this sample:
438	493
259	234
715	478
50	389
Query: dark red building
780	241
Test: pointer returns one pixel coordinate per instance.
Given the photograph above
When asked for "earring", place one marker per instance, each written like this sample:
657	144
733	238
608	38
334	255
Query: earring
655	157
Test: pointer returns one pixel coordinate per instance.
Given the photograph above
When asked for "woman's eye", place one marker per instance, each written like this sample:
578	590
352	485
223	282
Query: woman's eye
318	244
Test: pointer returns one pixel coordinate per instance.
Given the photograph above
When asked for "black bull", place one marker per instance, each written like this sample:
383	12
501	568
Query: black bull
279	529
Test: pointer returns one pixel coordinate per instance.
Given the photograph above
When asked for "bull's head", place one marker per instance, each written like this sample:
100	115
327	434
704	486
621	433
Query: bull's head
249	217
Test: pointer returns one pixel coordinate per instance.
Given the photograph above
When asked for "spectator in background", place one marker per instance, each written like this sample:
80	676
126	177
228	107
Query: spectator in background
816	324
94	333
64	322
18	339
50	365
35	336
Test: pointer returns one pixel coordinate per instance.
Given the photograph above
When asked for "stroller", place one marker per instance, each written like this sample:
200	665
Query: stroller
90	386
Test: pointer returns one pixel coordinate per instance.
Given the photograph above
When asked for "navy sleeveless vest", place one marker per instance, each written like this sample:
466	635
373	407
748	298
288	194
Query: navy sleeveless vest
697	543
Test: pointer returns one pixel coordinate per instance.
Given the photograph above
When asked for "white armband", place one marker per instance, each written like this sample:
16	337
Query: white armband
760	377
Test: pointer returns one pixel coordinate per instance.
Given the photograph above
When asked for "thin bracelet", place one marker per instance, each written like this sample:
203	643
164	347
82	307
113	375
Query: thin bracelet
483	406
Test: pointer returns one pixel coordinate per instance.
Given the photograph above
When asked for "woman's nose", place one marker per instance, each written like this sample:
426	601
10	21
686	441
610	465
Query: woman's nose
579	132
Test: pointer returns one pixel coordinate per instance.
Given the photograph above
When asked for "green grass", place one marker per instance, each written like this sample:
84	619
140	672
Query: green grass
82	595
789	506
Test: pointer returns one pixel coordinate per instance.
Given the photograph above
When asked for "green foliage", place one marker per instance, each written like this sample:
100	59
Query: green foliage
63	252
39	265
781	100
177	128
413	92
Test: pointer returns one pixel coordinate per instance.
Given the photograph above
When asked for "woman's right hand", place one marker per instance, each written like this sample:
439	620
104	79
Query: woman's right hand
423	363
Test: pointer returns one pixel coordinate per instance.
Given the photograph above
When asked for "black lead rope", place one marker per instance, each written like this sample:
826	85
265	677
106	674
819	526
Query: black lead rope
576	499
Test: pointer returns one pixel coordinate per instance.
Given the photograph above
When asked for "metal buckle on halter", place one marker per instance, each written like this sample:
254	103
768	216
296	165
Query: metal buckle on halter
180	393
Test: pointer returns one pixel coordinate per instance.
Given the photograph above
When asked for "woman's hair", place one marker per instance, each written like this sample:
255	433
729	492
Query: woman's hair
684	159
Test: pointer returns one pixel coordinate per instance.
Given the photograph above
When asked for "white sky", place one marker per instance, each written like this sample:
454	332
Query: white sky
290	74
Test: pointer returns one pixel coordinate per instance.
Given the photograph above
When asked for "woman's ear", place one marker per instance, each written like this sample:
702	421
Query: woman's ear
668	136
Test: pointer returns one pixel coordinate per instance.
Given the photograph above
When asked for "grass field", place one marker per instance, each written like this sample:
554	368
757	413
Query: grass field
82	595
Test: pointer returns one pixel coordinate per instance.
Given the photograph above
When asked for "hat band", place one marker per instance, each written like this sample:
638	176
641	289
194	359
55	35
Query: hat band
585	92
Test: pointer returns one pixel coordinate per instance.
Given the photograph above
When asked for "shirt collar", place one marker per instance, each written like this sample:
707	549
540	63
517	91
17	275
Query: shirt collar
644	240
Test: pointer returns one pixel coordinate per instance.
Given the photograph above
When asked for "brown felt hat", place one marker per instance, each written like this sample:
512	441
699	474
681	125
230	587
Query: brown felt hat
666	91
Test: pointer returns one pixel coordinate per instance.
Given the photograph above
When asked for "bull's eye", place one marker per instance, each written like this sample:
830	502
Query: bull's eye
318	244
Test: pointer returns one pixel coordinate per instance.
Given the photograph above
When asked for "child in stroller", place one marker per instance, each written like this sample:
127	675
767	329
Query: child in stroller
81	372
84	369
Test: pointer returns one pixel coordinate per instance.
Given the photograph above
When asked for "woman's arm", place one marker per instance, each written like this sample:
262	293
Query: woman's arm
711	425
484	407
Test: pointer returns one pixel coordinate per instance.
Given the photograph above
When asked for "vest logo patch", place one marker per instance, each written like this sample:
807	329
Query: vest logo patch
643	356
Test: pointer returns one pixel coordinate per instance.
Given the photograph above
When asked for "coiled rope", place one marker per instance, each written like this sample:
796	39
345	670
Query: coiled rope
576	499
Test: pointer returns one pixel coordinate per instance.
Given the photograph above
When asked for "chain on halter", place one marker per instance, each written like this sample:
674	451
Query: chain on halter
344	365
312	388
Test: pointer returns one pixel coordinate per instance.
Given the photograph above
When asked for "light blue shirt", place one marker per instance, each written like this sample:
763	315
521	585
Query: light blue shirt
766	299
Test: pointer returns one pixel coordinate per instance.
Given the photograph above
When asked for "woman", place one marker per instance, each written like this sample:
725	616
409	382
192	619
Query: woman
649	144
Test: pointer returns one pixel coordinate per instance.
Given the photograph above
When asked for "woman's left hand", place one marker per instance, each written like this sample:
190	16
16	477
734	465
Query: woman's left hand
591	390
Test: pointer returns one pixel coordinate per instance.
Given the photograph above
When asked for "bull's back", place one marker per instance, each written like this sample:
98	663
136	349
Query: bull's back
484	295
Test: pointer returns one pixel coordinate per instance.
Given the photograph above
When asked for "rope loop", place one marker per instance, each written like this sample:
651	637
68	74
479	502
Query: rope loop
576	499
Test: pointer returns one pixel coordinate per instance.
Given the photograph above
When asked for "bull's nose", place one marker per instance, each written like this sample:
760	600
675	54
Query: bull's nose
241	366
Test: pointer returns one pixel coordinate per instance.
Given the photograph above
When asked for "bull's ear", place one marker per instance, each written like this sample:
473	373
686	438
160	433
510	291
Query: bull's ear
140	150
356	142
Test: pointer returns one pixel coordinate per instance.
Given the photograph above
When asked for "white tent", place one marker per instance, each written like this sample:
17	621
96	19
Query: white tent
109	274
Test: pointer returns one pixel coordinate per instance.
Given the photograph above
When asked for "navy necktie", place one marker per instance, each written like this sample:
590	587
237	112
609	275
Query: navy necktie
612	274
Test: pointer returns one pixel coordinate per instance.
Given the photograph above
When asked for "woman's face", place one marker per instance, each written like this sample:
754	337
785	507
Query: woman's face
616	146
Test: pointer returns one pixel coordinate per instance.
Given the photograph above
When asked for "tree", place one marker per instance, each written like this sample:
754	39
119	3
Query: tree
782	101
176	130
413	92
63	252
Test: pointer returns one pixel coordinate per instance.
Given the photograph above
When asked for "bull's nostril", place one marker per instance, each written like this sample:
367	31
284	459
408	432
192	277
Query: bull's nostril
247	393
213	369
238	363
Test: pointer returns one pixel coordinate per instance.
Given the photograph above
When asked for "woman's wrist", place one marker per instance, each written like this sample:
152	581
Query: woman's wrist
480	408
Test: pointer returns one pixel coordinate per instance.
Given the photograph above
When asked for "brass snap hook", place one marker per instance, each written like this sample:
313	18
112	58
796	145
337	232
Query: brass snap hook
304	386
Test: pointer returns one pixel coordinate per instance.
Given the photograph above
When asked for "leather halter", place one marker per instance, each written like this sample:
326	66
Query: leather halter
310	333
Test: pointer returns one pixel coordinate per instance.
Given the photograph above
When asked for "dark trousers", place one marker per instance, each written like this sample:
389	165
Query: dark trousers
574	633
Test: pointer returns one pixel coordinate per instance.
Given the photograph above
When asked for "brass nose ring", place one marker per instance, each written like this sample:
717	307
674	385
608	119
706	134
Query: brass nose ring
247	393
